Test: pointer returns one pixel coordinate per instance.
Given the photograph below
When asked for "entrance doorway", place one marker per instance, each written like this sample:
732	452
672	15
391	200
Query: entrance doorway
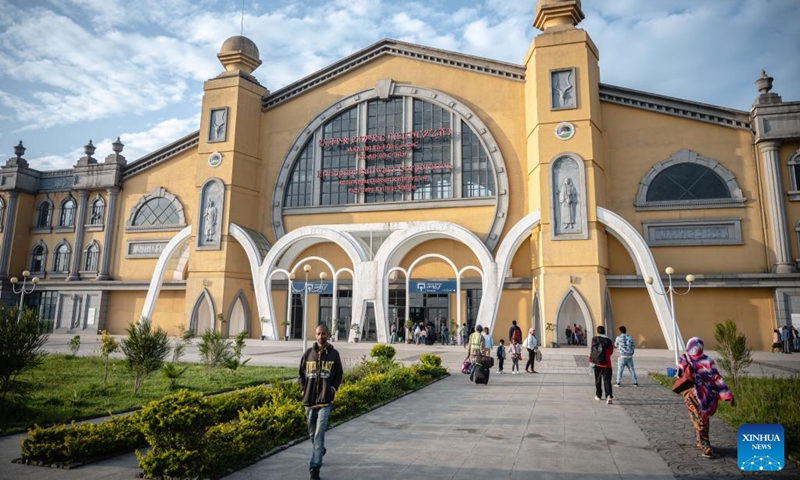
573	314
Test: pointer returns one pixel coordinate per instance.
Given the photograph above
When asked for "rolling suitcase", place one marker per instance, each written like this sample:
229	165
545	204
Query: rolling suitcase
481	374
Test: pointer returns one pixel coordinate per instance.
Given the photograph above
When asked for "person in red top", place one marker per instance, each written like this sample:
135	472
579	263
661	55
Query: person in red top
600	355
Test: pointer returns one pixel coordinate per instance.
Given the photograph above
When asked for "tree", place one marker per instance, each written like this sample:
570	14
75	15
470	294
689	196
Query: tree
735	356
108	345
145	350
214	350
22	338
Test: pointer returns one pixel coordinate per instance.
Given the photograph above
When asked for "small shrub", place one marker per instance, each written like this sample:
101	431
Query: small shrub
22	338
430	360
383	353
180	342
735	356
108	345
75	345
173	373
145	350
214	350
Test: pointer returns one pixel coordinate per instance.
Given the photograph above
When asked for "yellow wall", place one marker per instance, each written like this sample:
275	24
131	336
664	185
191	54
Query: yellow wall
697	312
125	307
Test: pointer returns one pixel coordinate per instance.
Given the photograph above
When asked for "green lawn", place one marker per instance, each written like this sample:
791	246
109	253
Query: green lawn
66	388
762	400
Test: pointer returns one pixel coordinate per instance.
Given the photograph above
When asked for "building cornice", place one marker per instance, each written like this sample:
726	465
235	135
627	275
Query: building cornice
397	48
152	159
727	117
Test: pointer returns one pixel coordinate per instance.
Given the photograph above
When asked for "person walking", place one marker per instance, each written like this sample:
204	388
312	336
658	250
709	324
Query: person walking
514	332
477	343
320	376
501	356
487	340
625	347
786	338
709	387
516	353
600	355
531	343
568	335
464	335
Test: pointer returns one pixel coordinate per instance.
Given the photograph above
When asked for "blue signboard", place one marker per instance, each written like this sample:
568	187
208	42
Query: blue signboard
425	286
314	288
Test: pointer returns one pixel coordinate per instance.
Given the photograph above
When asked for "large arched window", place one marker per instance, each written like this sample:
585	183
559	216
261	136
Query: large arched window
38	257
61	258
44	213
158	210
90	256
67	215
685	181
396	149
96	211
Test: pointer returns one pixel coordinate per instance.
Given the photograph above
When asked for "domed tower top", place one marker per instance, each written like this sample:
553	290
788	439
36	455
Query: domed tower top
239	53
553	13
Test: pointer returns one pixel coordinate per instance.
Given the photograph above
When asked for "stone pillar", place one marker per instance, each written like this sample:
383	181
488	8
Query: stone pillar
777	210
8	232
108	239
80	220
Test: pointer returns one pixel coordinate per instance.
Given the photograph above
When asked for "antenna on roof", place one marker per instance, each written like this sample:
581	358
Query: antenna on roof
241	28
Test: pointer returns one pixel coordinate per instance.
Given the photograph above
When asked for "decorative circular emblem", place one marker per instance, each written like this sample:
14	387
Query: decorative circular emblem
215	159
565	130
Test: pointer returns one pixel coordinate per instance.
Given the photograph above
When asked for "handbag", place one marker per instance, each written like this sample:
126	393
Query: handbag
466	367
538	356
685	381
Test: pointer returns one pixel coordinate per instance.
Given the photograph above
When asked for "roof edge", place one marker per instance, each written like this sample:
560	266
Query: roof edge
727	117
388	46
154	158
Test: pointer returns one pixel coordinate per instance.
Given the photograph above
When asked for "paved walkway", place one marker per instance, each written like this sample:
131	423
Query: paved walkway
544	426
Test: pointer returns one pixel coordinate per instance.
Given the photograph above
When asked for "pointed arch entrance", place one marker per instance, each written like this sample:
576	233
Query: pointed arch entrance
203	314
573	312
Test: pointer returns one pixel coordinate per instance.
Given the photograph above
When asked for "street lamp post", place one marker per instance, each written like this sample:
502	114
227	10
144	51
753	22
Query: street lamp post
290	294
322	277
307	269
689	279
23	289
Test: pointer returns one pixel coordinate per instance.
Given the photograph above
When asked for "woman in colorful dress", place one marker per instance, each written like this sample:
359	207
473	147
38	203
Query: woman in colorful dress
709	387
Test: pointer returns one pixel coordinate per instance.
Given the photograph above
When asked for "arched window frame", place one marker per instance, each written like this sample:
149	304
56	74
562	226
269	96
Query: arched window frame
91	257
156	193
386	89
39	249
61	256
736	200
67	212
97	211
44	216
794	176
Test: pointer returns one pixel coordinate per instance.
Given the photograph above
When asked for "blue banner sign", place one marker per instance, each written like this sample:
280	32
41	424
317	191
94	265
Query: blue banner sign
425	286
314	288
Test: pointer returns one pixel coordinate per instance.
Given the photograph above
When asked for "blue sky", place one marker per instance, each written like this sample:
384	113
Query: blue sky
74	70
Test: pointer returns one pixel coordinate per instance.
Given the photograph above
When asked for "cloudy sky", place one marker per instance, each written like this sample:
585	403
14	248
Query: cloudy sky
74	70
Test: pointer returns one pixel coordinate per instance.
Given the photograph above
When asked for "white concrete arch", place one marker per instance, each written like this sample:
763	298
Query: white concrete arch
284	253
520	232
158	272
645	266
399	243
572	292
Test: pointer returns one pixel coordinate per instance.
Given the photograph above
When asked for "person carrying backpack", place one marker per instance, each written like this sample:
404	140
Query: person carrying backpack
515	332
600	355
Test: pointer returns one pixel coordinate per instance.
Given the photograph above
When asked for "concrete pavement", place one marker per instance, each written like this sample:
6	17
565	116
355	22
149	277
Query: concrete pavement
544	426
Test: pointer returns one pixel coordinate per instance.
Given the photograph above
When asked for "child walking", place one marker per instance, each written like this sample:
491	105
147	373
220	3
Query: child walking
516	353
501	356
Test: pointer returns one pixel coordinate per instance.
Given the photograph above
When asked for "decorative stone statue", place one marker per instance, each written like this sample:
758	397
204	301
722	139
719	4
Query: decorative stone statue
210	221
568	197
219	120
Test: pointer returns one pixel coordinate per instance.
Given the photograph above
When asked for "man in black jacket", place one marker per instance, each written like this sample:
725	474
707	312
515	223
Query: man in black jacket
320	375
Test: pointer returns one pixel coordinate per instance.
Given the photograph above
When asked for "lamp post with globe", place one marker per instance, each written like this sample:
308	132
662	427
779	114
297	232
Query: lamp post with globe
671	290
23	289
307	269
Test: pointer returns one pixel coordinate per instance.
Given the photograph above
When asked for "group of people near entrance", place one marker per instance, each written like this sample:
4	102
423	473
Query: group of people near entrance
785	340
321	373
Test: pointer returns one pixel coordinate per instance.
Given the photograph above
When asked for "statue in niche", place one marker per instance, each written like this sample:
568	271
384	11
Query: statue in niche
219	120
210	221
568	198
562	87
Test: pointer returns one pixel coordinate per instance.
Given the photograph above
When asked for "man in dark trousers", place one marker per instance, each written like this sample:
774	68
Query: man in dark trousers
320	375
600	356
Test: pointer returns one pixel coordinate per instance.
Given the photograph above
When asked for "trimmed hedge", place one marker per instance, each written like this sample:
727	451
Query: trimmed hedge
194	436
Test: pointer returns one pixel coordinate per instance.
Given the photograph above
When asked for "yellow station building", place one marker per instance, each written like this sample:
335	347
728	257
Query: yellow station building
406	182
